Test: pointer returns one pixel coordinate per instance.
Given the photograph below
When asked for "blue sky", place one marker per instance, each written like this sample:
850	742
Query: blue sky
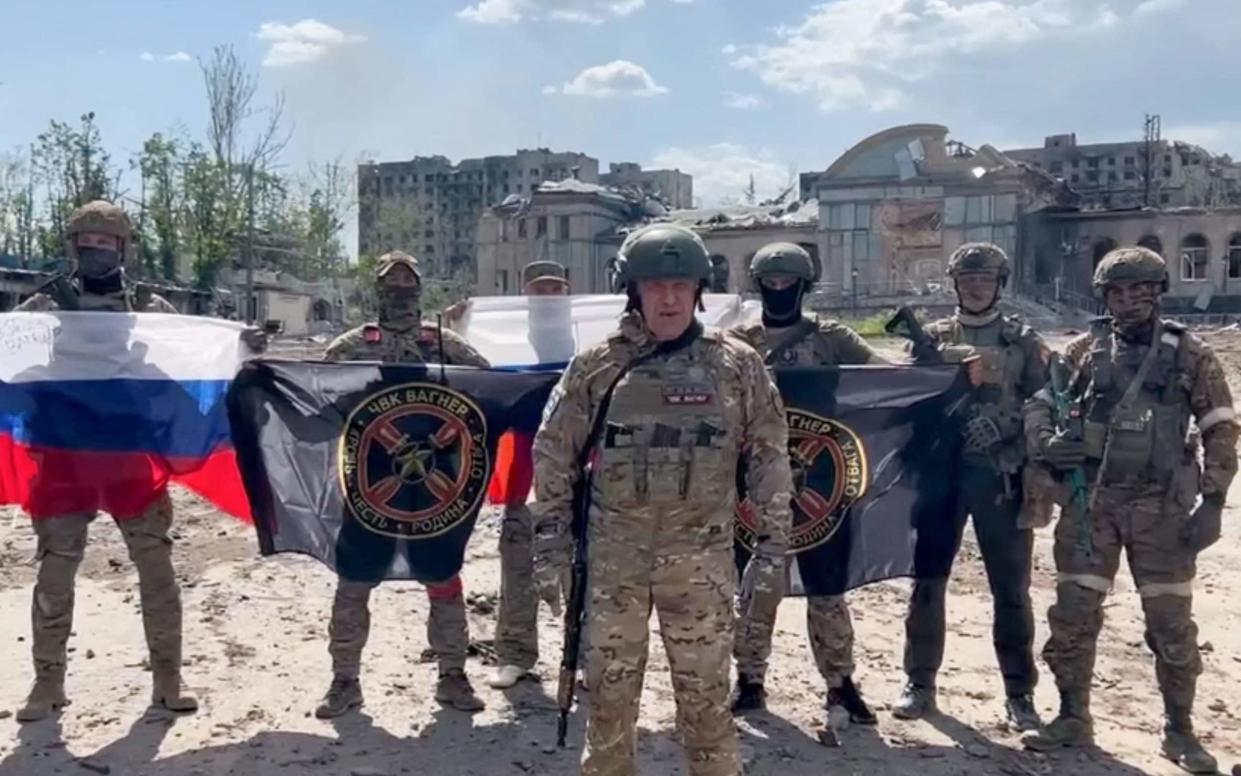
721	89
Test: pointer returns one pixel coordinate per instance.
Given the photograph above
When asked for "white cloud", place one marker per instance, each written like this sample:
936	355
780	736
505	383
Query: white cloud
1157	6
619	78
304	41
870	52
743	101
722	171
179	56
146	56
579	11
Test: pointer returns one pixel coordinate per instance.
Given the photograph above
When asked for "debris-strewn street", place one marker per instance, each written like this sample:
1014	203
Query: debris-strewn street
255	646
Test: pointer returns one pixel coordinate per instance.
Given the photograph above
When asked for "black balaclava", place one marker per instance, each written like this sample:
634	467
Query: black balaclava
1136	322
782	307
400	307
100	271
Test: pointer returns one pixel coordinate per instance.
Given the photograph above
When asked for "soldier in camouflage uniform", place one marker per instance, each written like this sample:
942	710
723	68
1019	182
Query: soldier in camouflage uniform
100	238
517	636
1008	363
687	402
400	336
782	273
1139	379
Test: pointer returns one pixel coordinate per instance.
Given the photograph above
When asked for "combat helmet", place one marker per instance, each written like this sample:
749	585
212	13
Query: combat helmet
1136	264
663	251
978	257
103	217
782	258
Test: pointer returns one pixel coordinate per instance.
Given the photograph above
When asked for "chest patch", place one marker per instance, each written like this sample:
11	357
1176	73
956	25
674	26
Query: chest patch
688	394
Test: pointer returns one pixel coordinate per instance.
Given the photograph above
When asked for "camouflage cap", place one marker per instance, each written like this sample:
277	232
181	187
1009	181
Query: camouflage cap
102	217
978	257
543	270
393	258
783	258
1136	264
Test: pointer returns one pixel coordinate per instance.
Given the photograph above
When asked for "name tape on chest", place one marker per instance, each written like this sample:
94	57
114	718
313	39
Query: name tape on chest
688	395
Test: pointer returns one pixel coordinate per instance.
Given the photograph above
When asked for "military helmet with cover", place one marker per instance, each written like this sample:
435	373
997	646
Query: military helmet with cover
1137	264
978	257
391	259
782	258
663	251
101	217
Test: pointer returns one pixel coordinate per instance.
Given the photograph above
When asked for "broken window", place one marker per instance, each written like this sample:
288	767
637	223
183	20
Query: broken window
1111	176
541	227
1056	166
519	188
1075	178
1128	161
1165	199
1194	250
978	210
1075	164
502	280
1130	175
521	228
534	172
429	249
1092	164
1093	176
1234	257
564	227
1111	161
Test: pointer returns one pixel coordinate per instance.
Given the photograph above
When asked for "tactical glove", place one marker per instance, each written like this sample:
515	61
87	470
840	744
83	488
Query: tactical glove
1063	453
1203	528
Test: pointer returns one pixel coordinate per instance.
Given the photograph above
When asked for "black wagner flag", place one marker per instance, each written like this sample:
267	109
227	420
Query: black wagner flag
874	452
376	470
379	470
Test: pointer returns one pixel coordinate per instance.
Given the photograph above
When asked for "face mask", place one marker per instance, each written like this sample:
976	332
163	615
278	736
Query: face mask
98	263
1134	312
399	306
782	307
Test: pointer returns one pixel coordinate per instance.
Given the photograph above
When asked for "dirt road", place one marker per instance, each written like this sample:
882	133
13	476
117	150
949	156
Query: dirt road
255	643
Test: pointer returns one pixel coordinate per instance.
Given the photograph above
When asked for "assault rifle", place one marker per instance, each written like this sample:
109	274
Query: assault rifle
1066	416
59	287
905	324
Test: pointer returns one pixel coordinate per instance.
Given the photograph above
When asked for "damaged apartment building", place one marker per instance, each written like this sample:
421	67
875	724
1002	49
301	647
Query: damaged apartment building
433	208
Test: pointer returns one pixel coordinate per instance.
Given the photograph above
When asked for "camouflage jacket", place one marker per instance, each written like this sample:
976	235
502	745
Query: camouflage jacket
665	465
1190	381
373	342
820	343
125	302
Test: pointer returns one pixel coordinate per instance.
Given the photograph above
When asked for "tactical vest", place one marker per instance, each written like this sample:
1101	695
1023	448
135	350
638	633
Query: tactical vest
671	441
999	398
1143	440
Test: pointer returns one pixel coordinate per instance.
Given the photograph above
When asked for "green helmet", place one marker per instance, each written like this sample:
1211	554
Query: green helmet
1130	264
663	251
978	257
102	217
782	258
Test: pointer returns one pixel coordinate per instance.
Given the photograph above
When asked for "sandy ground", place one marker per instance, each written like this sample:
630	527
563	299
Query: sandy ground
255	645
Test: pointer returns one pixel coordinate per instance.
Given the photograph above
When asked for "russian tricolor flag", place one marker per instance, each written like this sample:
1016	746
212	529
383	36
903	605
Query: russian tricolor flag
99	411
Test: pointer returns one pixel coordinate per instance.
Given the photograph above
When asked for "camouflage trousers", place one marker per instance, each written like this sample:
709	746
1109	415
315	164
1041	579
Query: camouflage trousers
517	636
692	595
827	623
1137	522
1006	555
61	544
447	630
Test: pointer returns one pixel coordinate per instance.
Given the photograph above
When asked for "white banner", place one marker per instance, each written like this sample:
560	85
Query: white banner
533	330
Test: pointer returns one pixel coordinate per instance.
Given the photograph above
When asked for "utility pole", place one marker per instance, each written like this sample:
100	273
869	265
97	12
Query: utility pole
251	304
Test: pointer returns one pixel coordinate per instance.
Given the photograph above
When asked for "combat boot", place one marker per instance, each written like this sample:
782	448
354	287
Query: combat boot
916	702
453	689
1022	716
850	699
1182	747
1072	727
343	694
46	698
749	695
166	692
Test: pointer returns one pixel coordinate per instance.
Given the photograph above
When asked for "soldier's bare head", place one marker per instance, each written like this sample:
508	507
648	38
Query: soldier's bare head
667	305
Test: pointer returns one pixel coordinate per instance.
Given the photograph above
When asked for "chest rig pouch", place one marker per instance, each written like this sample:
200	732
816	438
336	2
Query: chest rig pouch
667	437
995	415
1138	407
